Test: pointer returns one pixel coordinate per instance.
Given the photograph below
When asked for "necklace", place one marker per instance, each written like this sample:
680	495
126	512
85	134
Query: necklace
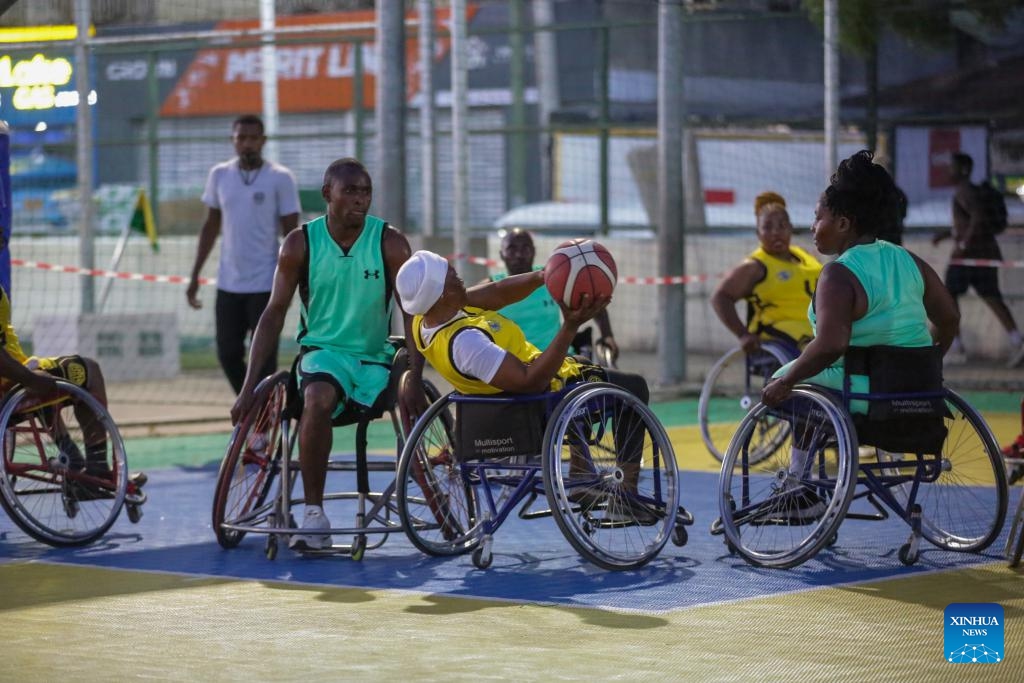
249	175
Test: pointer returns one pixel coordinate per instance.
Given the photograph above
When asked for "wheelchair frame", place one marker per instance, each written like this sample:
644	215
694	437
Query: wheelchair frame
261	453
450	505
772	355
41	490
896	482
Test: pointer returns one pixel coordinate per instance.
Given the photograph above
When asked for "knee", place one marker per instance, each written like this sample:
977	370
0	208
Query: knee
319	399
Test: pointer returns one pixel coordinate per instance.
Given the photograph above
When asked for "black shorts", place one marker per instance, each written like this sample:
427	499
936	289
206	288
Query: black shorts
984	280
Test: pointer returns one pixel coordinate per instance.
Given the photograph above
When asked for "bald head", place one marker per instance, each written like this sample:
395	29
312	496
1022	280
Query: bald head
517	251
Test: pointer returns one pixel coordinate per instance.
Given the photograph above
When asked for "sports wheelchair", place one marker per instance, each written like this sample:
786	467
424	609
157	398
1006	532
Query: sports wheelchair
732	387
52	484
597	454
920	451
257	476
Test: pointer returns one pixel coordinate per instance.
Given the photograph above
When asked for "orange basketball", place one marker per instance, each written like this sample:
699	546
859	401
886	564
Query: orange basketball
579	267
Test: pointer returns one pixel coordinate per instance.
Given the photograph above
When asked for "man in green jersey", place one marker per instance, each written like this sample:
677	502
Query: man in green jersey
344	265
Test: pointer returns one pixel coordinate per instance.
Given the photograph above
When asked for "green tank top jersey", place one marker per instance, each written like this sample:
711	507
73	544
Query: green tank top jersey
538	316
895	290
346	301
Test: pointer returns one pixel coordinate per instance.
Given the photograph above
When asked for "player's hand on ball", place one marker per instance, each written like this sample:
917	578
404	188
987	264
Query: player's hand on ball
588	308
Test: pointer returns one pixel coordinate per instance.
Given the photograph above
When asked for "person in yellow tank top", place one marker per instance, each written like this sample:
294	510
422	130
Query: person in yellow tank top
39	376
777	281
480	351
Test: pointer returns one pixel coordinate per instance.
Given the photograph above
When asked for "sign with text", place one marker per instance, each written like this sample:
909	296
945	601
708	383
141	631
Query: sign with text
313	76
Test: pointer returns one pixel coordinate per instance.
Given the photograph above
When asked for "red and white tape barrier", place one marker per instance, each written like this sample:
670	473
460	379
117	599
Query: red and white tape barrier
985	263
623	279
476	260
99	272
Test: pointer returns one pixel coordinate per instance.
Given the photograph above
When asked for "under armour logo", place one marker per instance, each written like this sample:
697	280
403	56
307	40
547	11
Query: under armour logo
367	275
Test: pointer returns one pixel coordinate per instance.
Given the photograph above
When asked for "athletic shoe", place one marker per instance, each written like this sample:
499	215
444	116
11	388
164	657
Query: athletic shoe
313	519
623	508
794	507
954	357
1016	356
1013	455
588	498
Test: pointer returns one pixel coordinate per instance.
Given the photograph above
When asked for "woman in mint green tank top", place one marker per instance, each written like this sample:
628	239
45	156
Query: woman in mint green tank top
873	293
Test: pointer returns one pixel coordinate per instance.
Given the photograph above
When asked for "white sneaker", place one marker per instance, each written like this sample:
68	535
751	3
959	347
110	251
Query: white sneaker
954	357
314	518
1016	356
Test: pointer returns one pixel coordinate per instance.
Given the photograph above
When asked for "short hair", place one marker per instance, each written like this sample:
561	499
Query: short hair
964	160
248	120
507	235
863	192
340	166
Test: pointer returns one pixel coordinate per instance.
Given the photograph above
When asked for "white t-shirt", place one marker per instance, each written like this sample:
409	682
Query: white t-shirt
473	352
251	208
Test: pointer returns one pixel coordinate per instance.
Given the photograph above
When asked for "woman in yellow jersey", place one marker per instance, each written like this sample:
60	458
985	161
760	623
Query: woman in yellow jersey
777	281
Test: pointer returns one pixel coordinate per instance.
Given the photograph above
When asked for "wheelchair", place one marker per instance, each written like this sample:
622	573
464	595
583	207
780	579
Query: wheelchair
732	387
920	451
596	454
46	486
257	476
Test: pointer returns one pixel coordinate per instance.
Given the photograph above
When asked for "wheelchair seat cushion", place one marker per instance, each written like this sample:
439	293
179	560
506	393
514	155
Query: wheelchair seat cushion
904	422
487	430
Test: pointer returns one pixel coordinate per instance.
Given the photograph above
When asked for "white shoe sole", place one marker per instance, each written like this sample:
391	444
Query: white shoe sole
310	542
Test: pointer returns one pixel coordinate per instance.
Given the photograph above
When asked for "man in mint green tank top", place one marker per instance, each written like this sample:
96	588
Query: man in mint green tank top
343	265
538	316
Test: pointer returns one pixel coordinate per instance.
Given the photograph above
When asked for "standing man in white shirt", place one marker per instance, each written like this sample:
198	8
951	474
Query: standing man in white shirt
253	202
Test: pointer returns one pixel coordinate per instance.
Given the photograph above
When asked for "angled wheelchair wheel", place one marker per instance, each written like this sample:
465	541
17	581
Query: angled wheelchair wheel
963	492
63	476
779	510
250	464
436	503
731	389
610	476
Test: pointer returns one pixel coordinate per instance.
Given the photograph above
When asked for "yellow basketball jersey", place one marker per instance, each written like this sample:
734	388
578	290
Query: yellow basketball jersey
498	329
8	337
779	302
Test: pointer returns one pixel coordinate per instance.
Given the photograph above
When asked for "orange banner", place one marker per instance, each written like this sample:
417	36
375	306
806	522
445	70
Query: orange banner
313	76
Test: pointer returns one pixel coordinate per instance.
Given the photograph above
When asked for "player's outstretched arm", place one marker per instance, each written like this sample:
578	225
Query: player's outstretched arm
493	296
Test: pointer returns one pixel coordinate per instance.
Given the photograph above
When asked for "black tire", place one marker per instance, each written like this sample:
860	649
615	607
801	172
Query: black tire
250	464
45	485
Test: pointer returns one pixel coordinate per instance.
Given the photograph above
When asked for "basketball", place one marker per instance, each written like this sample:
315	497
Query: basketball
579	267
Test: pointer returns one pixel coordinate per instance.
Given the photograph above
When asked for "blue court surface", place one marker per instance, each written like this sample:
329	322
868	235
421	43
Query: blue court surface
533	563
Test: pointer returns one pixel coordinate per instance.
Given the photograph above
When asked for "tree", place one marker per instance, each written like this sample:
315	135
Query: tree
931	23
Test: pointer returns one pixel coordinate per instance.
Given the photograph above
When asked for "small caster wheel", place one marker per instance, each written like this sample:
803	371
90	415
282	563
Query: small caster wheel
358	548
680	536
134	514
482	558
271	546
588	528
730	547
908	556
71	508
833	539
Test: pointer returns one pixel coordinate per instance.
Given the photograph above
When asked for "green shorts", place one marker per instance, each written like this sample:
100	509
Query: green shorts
832	378
357	380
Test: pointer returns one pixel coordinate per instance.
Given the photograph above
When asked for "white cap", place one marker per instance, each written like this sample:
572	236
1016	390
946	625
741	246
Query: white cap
420	281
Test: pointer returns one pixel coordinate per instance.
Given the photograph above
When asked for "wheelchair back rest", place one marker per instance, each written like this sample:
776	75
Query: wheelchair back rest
499	427
906	404
354	413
